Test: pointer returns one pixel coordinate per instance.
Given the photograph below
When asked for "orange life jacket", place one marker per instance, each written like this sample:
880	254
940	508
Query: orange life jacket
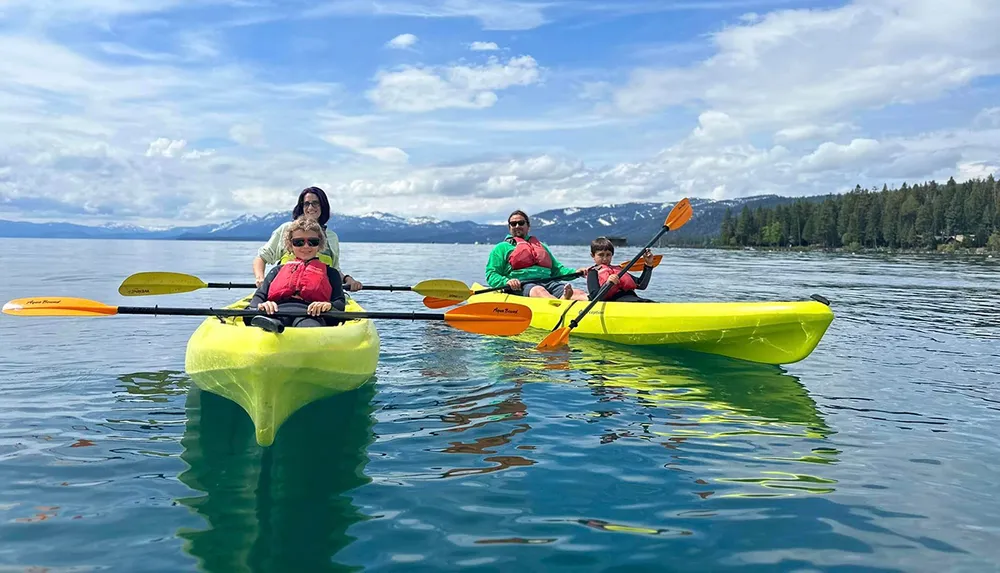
528	253
306	280
625	283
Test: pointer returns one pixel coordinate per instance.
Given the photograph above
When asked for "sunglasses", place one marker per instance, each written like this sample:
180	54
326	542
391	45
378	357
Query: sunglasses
310	204
313	242
518	223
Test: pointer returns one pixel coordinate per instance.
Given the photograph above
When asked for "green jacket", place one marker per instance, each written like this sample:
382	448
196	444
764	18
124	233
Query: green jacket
498	270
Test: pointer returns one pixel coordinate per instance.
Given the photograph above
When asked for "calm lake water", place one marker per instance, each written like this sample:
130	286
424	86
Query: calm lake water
879	452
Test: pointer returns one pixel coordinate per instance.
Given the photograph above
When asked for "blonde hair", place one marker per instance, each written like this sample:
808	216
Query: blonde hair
307	225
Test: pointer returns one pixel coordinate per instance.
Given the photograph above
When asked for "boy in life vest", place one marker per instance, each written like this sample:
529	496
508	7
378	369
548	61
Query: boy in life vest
303	283
526	267
603	271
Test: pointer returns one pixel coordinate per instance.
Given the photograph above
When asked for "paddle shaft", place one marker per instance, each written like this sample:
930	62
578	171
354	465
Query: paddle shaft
252	285
155	310
607	286
560	277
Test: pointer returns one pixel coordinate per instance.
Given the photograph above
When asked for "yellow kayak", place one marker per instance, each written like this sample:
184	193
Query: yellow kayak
273	375
766	332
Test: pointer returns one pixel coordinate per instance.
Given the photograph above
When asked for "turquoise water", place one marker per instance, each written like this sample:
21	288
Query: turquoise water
879	452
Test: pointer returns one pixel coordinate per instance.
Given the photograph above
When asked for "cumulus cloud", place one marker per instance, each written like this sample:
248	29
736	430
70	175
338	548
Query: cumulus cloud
422	89
810	132
402	42
484	47
799	67
359	145
163	147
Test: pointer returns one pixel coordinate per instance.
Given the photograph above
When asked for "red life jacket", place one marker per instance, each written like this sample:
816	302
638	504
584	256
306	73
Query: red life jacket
625	283
528	253
303	279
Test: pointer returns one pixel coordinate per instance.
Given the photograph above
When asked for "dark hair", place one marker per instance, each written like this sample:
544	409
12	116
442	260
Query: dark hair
601	244
521	213
324	205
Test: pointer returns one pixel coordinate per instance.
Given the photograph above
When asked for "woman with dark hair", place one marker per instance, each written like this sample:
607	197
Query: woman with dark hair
312	204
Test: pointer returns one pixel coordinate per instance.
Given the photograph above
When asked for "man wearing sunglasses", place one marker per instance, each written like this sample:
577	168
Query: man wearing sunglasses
526	266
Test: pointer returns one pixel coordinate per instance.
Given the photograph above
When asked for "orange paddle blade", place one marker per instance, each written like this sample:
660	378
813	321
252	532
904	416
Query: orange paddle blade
432	302
680	214
641	264
498	318
555	339
57	306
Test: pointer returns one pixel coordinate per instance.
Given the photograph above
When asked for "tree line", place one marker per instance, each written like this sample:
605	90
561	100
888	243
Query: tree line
910	217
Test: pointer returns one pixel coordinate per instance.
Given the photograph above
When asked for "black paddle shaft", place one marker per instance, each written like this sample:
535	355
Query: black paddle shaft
560	277
338	314
230	285
607	286
251	285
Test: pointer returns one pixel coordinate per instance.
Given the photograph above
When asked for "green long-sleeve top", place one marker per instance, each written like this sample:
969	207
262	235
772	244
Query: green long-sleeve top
498	270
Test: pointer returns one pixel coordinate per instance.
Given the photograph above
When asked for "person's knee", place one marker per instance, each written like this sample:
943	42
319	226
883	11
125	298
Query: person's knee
540	292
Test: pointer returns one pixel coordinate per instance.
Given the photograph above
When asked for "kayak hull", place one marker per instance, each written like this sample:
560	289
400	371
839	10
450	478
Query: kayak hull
765	332
274	375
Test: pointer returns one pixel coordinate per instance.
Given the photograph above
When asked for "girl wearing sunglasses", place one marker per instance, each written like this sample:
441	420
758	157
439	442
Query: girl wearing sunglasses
312	204
303	283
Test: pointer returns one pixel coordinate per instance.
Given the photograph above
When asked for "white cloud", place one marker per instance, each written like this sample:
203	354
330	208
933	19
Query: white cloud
422	89
247	134
829	156
484	46
717	126
360	145
810	132
164	147
402	42
801	67
492	15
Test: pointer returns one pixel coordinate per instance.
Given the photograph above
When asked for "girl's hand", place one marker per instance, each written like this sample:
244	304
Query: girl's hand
613	279
647	257
268	306
318	308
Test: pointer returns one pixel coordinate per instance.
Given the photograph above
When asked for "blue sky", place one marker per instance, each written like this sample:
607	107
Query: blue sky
191	111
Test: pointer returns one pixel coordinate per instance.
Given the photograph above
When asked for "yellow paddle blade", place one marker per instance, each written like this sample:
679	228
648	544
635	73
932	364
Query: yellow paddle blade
641	264
680	214
57	306
449	289
555	339
152	283
497	318
431	302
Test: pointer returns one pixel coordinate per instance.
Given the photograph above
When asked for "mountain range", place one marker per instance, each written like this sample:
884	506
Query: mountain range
635	222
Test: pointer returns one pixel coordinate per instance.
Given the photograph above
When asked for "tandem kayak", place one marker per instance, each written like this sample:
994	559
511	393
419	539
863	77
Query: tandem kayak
273	375
765	332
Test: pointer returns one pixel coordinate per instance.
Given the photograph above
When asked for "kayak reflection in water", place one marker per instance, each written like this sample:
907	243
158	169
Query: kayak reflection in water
603	272
526	266
305	283
312	204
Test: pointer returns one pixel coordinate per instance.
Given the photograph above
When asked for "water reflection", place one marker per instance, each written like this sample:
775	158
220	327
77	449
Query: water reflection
743	410
282	508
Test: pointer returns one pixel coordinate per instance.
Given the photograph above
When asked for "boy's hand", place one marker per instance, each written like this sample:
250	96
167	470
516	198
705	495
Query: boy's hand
613	279
647	257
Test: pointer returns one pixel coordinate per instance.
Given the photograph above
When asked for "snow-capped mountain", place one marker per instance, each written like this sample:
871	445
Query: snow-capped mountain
572	225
